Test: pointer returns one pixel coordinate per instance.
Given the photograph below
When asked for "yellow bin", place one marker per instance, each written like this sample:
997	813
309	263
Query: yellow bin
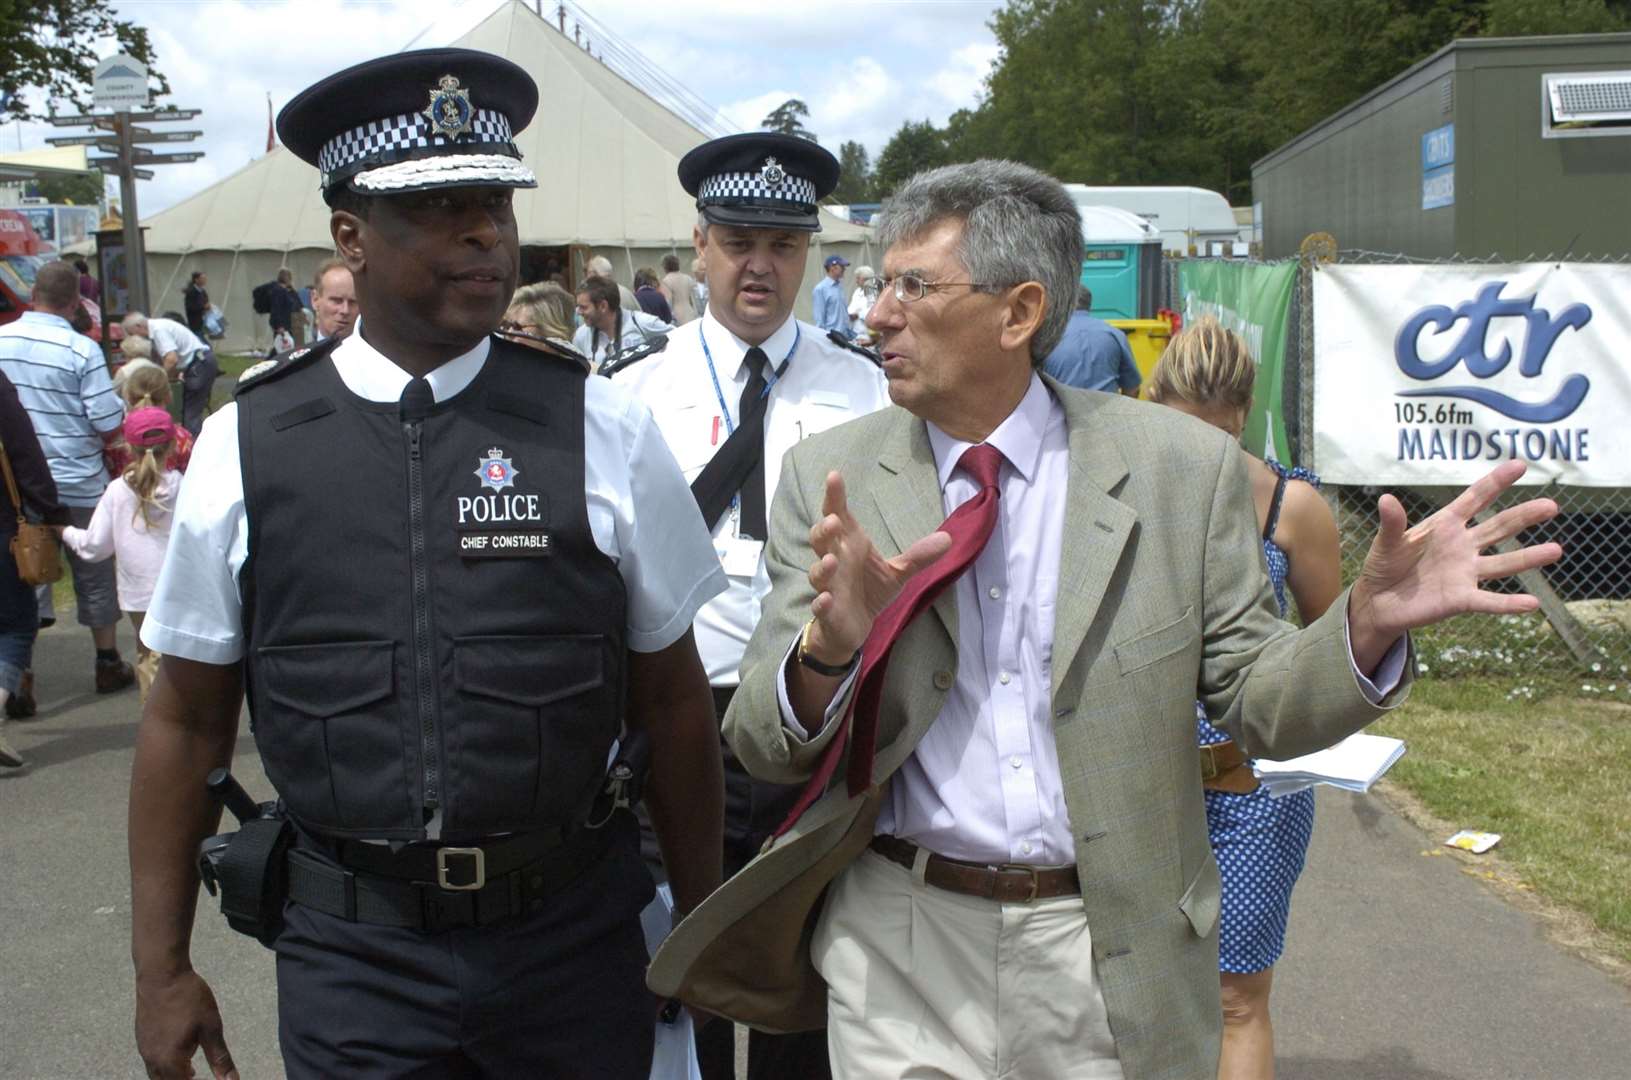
1148	338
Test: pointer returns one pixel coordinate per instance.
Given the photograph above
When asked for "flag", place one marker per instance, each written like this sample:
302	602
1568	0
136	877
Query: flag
271	132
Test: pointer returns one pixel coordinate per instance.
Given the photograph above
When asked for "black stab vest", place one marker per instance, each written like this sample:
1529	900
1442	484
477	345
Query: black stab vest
429	623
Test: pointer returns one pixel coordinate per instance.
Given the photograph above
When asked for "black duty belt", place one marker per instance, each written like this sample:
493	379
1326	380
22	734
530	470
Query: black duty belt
439	888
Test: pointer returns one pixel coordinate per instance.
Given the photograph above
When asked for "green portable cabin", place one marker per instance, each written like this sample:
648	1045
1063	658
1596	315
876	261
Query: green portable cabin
1121	263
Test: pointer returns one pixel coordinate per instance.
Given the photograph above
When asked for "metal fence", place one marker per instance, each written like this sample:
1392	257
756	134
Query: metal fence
1583	632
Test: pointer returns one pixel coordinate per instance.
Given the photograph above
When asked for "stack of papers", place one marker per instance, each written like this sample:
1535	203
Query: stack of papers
1353	764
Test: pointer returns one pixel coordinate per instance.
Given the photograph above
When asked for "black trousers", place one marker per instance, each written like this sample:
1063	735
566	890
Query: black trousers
196	382
556	995
753	809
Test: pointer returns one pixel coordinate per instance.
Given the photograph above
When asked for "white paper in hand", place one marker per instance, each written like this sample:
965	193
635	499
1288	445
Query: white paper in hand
1353	764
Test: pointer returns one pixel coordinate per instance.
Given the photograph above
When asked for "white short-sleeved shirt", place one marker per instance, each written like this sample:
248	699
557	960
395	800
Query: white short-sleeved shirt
169	336
640	511
823	386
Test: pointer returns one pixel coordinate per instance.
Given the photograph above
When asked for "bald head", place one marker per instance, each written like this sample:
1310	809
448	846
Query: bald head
56	289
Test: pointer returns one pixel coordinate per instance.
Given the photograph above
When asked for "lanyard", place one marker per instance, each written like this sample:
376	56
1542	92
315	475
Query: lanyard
775	376
730	428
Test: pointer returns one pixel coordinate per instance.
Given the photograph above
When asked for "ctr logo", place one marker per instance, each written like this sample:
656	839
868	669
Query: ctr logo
1540	334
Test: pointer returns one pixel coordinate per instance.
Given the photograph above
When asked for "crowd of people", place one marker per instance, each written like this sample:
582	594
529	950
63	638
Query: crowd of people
919	683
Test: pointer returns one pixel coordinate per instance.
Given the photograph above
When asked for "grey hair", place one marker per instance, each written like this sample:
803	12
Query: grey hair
1019	225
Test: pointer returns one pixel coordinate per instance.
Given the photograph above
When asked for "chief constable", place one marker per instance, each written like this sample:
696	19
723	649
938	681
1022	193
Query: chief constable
447	569
731	393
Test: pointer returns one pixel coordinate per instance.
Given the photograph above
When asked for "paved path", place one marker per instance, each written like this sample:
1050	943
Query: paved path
1400	967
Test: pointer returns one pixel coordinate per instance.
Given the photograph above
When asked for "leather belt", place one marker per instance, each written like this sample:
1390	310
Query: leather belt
461	888
424	862
1008	883
1225	767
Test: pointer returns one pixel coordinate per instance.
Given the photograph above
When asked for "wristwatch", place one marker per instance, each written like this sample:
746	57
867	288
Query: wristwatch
818	666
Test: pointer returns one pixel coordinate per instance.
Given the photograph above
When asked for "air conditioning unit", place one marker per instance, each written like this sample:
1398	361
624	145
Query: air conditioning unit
1580	104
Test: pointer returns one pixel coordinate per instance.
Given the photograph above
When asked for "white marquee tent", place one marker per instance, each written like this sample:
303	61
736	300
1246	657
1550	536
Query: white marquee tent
605	154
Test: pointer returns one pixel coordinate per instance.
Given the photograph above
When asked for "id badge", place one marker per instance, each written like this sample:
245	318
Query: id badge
739	555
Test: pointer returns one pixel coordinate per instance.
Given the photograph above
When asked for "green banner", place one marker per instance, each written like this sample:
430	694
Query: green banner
1254	300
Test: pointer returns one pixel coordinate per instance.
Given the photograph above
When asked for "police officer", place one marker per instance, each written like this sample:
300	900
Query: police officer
448	569
731	393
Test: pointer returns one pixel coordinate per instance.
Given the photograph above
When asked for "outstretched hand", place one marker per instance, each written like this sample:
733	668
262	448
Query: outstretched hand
1417	576
852	580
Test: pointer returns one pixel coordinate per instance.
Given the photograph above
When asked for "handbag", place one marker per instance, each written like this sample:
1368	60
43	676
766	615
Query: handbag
34	548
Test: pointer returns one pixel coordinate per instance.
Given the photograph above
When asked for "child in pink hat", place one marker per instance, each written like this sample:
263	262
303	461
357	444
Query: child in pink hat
132	522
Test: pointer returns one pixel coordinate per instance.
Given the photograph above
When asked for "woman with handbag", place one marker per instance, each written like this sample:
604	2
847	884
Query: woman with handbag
28	552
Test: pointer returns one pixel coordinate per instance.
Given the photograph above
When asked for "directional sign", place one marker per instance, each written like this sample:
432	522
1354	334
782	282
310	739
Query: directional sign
120	82
149	116
142	135
112	146
142	174
142	157
163	115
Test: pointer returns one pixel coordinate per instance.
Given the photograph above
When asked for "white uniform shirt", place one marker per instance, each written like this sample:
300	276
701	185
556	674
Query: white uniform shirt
824	385
640	511
633	328
169	336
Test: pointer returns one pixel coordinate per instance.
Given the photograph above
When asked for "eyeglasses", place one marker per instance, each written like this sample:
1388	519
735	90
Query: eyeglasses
521	330
911	287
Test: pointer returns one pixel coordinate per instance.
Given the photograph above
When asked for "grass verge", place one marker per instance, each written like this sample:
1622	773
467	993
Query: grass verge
1548	773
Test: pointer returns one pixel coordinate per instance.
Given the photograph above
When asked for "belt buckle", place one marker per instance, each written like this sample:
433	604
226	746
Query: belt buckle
1036	879
475	853
1209	763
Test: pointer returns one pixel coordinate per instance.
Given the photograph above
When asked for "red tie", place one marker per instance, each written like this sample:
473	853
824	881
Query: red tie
970	527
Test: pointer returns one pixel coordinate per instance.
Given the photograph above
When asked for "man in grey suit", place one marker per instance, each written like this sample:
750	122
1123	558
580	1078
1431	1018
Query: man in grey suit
1018	881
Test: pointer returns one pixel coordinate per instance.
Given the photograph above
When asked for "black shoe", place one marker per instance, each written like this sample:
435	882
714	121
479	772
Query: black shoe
20	705
112	675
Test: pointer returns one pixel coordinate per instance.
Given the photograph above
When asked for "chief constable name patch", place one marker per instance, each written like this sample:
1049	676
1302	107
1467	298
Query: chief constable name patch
500	522
505	544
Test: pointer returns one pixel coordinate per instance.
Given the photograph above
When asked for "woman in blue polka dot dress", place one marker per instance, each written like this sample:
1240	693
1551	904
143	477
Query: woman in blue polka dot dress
1259	841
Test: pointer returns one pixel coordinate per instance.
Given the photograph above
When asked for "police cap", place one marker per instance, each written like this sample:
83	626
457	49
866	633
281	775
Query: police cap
415	120
761	180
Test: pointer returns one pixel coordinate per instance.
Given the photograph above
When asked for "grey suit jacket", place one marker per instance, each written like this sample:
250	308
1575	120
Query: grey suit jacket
1162	599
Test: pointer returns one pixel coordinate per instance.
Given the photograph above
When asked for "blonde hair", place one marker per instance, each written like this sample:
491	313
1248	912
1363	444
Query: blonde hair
547	306
144	386
136	348
144	475
1205	364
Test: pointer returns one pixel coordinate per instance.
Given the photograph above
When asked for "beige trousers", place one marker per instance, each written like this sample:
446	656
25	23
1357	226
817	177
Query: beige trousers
925	983
147	661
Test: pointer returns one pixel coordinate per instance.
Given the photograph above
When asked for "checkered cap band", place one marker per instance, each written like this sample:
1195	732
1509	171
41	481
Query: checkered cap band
750	185
395	138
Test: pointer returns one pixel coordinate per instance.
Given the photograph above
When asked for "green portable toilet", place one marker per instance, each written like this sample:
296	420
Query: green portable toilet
1121	263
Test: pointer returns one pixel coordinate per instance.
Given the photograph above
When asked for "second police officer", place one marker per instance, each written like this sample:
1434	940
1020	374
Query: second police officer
731	393
448	571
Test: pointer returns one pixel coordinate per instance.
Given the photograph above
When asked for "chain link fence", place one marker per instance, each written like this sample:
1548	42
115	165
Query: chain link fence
1582	635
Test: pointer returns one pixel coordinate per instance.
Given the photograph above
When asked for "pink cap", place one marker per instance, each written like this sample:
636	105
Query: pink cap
149	426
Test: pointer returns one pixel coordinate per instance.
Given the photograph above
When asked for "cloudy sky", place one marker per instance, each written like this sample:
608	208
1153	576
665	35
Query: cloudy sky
862	67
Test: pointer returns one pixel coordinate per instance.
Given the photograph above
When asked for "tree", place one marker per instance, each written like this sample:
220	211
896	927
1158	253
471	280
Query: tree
788	118
78	190
48	45
854	174
916	146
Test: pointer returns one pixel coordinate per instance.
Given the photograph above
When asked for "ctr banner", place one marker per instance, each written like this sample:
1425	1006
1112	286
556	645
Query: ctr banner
1254	300
1432	374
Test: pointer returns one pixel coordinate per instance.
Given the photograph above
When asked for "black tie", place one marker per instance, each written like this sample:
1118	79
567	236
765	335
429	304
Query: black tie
417	399
750	411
